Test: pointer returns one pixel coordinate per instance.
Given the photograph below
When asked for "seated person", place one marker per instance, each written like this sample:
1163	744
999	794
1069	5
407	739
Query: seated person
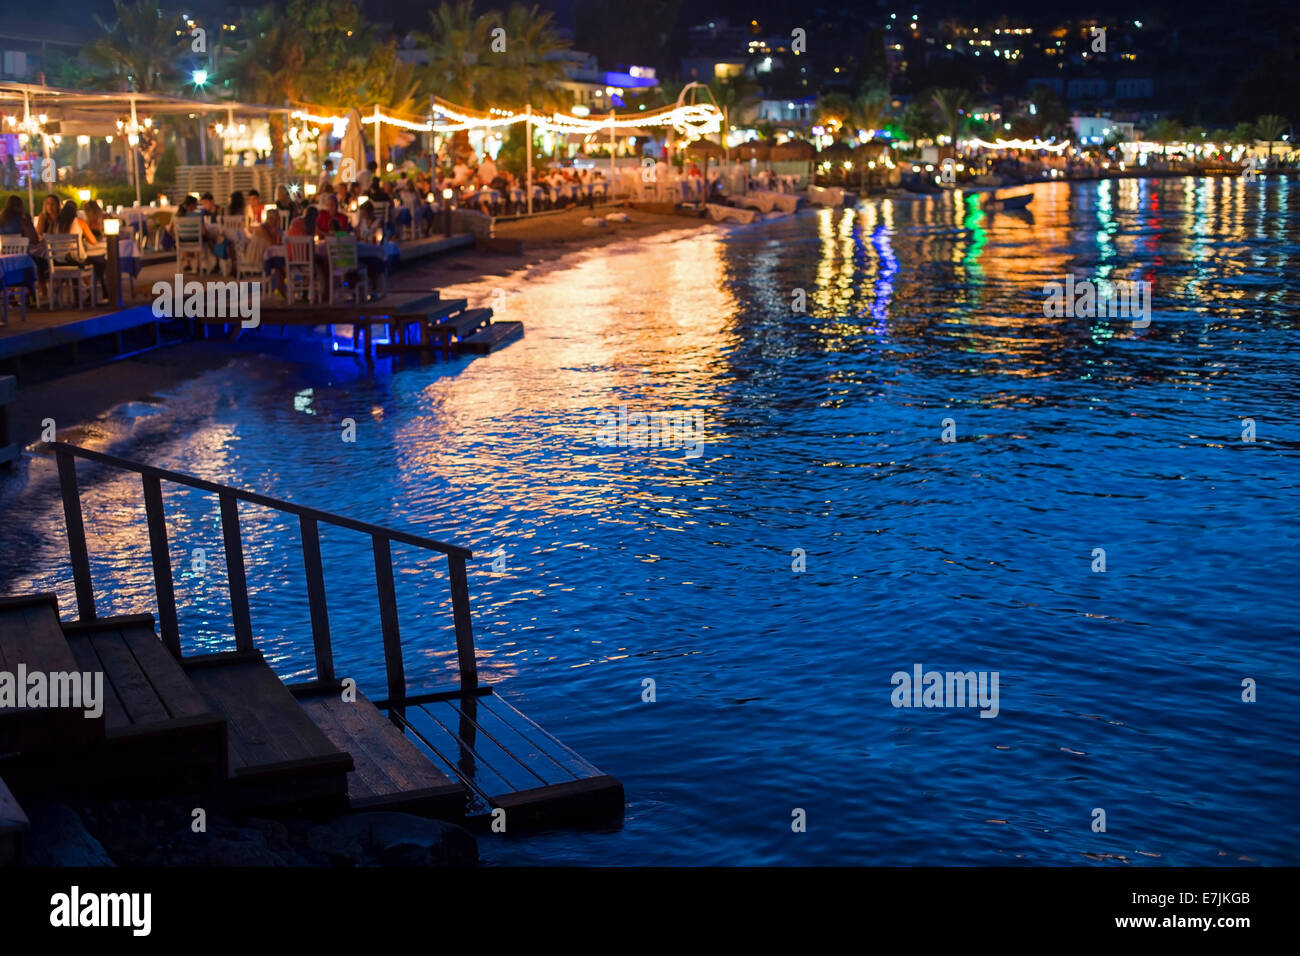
49	215
68	224
14	221
329	220
262	237
255	206
304	225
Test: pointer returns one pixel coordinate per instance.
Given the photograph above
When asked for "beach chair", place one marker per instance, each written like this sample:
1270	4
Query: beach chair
300	266
189	242
68	266
341	255
13	246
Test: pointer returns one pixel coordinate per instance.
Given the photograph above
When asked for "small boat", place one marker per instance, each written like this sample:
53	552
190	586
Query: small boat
721	213
826	195
1018	201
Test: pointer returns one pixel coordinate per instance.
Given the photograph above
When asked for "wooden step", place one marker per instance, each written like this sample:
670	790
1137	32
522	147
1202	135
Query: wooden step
445	309
493	337
465	323
509	762
391	773
277	755
160	733
31	637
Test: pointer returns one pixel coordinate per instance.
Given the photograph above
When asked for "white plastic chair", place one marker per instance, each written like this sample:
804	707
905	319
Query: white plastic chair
300	266
67	256
13	246
189	241
341	253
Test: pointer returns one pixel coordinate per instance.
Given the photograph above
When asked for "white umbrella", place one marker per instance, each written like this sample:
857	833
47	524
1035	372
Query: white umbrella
353	149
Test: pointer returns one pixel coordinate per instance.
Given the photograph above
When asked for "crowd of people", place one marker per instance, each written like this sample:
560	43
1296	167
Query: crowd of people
59	219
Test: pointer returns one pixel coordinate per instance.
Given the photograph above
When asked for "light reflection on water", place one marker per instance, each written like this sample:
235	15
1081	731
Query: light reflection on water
1119	690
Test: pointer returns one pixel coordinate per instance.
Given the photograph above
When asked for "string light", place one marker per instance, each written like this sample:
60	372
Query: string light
1020	144
693	120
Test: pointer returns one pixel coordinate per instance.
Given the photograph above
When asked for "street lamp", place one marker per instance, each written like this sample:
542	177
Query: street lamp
446	211
111	229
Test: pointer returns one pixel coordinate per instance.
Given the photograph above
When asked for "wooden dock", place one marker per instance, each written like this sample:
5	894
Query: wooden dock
223	728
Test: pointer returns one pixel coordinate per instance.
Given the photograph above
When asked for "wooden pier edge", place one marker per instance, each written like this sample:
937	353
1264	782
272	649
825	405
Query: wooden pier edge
589	800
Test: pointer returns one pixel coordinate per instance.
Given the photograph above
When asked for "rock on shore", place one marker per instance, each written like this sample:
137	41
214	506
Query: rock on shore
153	834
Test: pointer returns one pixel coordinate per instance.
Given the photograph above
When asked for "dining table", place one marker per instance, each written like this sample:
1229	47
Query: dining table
384	254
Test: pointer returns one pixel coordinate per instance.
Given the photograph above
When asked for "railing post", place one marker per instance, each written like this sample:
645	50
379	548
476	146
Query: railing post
388	619
464	627
76	534
162	564
320	619
235	572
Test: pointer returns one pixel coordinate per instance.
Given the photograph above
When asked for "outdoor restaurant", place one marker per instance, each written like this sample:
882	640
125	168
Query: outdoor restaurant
325	214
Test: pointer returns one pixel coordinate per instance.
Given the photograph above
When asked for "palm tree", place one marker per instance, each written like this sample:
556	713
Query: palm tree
460	54
1242	134
870	110
1269	127
951	105
1162	131
139	50
268	68
834	110
528	72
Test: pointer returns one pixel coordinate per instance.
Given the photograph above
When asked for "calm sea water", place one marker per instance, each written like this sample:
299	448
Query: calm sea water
1119	690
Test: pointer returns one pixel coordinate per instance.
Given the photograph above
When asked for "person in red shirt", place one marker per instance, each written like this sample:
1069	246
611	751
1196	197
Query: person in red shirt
330	220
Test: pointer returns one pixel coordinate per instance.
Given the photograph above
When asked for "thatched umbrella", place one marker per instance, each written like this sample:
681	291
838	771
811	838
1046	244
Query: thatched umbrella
755	149
793	149
867	154
705	148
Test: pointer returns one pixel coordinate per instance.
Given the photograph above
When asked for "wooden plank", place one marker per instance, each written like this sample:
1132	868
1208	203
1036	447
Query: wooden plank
404	765
77	552
320	620
115	715
467	322
176	692
578	801
122	670
235	575
388	616
495	336
464	626
268	728
164	588
368	778
31	637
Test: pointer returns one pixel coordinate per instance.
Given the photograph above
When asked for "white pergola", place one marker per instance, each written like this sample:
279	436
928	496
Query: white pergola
98	113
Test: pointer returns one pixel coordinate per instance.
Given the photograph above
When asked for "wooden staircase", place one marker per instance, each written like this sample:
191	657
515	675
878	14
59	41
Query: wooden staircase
222	724
226	730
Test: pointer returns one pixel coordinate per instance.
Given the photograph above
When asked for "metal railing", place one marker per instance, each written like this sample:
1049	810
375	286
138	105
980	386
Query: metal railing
309	520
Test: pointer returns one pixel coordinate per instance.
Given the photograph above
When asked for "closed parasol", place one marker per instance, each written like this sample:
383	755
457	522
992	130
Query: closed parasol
353	149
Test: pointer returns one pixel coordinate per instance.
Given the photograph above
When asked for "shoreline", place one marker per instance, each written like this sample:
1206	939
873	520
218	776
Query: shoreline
78	398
